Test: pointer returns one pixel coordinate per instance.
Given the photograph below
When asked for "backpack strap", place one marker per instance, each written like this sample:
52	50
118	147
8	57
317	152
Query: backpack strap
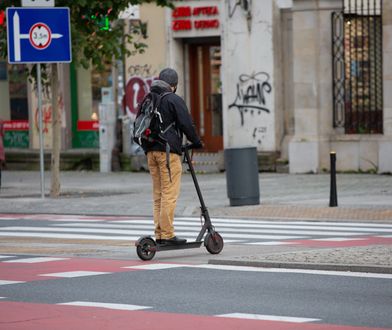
167	145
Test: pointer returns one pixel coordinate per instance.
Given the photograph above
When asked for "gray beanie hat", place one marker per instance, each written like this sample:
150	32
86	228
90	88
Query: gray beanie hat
170	76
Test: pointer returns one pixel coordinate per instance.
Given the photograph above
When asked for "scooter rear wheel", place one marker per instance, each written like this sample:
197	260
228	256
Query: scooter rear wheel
146	248
214	243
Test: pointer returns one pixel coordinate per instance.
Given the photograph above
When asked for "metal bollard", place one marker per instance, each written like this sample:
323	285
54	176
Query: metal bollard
333	197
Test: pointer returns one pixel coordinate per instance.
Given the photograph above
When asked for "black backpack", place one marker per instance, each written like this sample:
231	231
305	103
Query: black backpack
148	125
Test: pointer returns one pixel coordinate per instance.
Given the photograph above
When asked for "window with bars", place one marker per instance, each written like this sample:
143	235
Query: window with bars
357	67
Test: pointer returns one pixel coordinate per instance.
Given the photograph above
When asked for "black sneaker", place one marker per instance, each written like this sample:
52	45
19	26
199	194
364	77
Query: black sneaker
174	240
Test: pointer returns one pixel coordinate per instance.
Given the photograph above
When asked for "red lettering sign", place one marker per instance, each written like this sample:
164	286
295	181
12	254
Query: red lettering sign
2	17
207	24
88	125
209	11
180	25
16	125
187	11
182	12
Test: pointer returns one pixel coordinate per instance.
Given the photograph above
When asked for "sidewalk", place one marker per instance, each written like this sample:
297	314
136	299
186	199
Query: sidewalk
361	197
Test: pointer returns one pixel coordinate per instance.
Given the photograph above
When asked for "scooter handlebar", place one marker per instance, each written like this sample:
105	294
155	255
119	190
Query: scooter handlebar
189	146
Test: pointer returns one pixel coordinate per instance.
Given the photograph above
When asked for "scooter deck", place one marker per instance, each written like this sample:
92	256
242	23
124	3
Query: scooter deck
167	247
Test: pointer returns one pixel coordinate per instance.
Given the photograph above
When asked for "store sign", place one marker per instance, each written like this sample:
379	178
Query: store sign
16	134
88	125
2	17
16	125
198	18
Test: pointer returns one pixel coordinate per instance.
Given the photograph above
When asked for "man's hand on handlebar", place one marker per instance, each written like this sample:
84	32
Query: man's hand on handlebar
188	146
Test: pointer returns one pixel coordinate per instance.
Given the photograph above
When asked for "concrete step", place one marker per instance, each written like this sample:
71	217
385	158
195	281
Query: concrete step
207	162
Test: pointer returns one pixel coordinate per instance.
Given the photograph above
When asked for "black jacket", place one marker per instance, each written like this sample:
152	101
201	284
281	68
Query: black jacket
173	110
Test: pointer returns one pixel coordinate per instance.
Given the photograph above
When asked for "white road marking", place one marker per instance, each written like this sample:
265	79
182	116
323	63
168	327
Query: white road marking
75	274
262	270
360	227
230	228
70	236
124	307
294	271
5	282
35	260
92	237
139	232
314	223
269	317
156	266
270	243
75	220
5	257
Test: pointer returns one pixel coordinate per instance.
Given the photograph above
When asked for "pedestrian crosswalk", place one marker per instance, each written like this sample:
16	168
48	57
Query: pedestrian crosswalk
233	231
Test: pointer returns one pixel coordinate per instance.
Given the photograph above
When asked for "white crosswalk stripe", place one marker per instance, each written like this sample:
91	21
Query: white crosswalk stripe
239	231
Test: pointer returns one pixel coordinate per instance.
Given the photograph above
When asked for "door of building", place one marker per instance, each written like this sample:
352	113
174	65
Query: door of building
206	93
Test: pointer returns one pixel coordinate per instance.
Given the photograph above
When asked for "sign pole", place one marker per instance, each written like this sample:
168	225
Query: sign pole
41	137
39	35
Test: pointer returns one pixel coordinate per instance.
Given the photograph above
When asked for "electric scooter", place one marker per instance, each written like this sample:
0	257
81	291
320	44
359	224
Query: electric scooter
146	246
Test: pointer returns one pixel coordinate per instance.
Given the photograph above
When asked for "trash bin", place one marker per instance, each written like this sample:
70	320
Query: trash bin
242	176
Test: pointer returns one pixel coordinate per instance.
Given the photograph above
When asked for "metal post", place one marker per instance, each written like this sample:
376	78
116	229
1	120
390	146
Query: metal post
41	137
333	197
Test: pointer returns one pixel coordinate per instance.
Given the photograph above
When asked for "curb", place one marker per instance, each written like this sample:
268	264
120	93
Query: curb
309	266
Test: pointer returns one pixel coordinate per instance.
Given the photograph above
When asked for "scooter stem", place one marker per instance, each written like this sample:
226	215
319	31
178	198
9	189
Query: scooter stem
203	207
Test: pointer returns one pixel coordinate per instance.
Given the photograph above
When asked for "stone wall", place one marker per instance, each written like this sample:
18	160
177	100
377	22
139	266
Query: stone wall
385	146
248	74
314	135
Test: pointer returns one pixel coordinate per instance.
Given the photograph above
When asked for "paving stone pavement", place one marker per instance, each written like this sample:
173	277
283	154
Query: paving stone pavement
375	259
361	198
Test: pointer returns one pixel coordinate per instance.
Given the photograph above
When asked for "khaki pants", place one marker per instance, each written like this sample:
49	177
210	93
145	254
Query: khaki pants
165	193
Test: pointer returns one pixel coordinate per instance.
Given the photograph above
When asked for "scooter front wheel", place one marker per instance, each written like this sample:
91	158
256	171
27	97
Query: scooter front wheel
214	243
145	248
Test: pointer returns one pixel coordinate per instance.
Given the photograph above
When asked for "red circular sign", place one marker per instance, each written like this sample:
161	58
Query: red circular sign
40	36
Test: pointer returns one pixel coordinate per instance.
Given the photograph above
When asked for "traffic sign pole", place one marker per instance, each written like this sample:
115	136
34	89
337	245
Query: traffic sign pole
41	135
39	35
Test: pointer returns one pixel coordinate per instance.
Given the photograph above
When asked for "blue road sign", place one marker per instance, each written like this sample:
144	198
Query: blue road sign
38	35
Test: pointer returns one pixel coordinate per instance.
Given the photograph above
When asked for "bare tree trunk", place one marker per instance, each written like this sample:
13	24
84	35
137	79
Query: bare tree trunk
56	133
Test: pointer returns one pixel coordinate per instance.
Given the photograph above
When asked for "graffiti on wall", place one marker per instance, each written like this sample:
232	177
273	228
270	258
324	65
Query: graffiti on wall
47	115
145	70
259	134
138	85
251	94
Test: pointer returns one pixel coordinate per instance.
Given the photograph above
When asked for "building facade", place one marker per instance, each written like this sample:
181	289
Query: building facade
296	79
341	85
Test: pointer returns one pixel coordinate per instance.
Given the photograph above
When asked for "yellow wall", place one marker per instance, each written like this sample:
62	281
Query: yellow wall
149	64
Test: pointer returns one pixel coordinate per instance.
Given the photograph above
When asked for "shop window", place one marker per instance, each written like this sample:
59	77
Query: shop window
87	90
90	83
357	67
17	81
99	80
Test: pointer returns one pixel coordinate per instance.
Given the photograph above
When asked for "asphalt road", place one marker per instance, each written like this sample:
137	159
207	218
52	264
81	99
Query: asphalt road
97	282
311	297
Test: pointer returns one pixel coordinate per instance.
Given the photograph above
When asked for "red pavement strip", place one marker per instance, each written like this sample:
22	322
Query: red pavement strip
27	272
22	316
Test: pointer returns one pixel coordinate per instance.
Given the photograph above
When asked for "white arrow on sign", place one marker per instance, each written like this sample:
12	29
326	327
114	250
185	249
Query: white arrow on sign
19	36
